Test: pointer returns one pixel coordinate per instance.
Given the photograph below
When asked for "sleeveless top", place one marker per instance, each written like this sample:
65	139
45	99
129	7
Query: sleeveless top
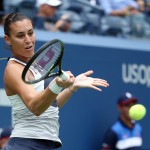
26	124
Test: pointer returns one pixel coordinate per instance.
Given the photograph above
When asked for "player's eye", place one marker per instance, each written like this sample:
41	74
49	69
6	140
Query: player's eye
20	35
30	33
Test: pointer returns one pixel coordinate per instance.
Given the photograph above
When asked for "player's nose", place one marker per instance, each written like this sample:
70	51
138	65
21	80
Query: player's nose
27	38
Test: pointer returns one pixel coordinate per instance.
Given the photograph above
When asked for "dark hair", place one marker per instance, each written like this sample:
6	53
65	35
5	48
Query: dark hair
11	18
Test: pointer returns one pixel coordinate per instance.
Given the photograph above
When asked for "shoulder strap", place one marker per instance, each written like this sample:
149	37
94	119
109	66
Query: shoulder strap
17	60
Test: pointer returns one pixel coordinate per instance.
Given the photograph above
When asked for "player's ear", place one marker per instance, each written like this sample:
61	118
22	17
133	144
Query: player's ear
7	39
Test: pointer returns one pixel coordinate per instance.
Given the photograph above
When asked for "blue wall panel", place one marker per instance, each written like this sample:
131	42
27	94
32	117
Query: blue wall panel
88	114
5	116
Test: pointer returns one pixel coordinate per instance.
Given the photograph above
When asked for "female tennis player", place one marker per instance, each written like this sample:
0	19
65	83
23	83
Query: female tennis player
35	109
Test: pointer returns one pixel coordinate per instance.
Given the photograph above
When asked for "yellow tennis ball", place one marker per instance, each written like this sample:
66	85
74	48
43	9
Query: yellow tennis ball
137	112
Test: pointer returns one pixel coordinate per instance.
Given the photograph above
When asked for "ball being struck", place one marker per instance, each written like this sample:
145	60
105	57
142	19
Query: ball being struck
137	112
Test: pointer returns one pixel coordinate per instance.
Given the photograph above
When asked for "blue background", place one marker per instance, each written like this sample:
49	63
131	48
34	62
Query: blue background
88	114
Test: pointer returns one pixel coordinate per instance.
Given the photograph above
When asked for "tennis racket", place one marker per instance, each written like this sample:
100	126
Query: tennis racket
46	62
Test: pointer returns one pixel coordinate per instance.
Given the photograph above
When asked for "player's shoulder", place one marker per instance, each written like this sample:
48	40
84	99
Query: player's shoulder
14	66
12	77
13	70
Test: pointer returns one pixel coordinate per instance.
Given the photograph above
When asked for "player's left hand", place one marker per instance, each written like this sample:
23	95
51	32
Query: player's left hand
84	81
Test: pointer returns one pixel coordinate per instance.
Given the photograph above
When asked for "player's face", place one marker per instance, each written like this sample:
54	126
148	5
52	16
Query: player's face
21	39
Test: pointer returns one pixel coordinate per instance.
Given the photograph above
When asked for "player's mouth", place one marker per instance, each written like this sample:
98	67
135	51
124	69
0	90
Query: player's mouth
29	48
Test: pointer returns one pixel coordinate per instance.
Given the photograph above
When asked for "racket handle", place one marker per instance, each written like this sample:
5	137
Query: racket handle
64	75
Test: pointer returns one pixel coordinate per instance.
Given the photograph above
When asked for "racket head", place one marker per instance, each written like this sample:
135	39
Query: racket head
44	62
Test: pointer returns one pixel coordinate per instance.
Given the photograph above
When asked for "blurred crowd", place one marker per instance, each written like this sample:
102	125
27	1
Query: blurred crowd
4	136
118	18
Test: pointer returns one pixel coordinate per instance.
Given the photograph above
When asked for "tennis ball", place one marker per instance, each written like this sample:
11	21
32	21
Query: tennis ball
137	112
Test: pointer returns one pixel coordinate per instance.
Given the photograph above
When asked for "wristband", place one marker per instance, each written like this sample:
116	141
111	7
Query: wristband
55	88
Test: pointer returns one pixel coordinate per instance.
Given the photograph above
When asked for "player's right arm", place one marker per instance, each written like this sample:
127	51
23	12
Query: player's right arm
36	102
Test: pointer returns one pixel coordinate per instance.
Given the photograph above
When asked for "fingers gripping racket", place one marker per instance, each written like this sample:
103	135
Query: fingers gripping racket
46	62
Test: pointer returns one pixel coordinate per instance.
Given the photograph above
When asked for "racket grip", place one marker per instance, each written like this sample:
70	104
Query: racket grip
64	76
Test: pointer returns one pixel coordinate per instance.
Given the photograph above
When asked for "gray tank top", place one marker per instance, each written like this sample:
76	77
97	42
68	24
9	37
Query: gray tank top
26	124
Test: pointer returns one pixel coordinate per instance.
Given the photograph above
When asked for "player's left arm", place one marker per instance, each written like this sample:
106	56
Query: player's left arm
81	81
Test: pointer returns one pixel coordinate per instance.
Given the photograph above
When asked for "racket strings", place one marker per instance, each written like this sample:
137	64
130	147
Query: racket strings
46	60
45	63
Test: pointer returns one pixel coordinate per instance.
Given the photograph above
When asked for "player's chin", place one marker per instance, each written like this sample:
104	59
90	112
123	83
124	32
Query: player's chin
29	55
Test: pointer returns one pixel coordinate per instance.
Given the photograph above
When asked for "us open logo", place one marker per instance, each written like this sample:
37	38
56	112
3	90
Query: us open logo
136	74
